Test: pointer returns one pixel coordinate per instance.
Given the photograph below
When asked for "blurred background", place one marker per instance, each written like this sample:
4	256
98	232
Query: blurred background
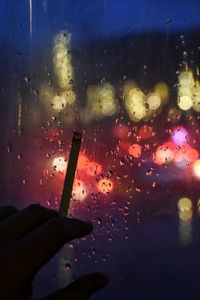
126	75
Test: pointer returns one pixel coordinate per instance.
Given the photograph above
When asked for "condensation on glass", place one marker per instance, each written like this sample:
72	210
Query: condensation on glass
126	75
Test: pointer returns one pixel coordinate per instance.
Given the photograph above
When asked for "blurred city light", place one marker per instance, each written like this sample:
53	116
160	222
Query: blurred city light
60	164
101	100
196	168
105	185
179	135
135	150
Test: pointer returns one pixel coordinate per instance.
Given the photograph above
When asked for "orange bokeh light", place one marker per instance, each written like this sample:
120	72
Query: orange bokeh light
83	162
105	186
169	152
187	153
196	168
192	155
163	154
91	168
135	150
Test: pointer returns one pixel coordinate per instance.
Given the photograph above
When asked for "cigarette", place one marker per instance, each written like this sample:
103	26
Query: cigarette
70	174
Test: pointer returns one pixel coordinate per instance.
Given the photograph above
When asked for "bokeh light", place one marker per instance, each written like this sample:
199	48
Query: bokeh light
101	100
179	135
135	150
184	204
162	91
58	102
196	168
63	61
153	101
196	97
145	132
93	169
185	102
135	104
105	185
186	84
164	154
80	190
122	147
185	209
121	131
187	153
59	164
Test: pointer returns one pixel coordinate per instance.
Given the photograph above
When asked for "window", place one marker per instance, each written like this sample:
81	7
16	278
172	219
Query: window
126	75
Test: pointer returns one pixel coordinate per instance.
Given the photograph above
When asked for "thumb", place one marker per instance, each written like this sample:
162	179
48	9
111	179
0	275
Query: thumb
81	289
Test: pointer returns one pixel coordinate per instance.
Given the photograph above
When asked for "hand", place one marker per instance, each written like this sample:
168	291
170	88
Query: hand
28	239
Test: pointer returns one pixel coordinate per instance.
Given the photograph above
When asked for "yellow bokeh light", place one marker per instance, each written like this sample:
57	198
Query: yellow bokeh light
135	104
185	209
196	168
186	85
62	60
128	86
185	215
185	102
101	100
70	97
153	101
186	79
58	102
196	97
184	204
62	95
63	100
162	91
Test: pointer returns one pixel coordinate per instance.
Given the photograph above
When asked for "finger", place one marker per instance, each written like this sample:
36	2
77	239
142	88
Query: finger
7	211
24	221
81	289
41	244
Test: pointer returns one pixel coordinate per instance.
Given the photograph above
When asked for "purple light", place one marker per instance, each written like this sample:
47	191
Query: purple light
179	136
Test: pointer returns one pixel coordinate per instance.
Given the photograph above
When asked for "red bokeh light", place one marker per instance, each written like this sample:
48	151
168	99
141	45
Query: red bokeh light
187	153
169	152
192	155
122	147
145	132
121	131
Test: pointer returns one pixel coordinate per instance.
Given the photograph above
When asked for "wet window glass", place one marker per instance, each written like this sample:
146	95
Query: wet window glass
126	75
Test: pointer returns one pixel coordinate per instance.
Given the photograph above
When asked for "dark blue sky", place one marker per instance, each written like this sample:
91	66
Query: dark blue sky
95	19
